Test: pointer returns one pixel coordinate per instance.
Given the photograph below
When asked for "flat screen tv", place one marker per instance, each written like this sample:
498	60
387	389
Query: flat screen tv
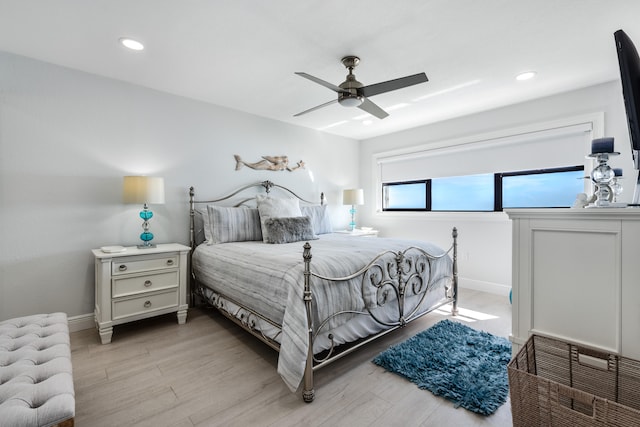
630	77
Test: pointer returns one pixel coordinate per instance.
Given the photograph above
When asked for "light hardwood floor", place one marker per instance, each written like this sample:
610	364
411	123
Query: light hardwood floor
209	372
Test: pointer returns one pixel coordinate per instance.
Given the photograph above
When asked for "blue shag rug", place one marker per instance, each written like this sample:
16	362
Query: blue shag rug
454	361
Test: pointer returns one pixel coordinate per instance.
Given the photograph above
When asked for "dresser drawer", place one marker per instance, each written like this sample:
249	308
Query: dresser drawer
133	264
131	285
143	304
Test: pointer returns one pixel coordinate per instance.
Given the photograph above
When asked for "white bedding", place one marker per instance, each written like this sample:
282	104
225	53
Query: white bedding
269	279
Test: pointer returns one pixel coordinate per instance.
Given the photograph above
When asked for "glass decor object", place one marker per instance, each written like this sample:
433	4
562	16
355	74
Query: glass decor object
353	197
616	184
145	190
602	175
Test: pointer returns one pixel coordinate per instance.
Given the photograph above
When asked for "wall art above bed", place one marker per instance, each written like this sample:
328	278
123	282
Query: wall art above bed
269	163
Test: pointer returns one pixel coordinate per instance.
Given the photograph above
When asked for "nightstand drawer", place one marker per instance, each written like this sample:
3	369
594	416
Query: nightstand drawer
133	265
146	303
131	285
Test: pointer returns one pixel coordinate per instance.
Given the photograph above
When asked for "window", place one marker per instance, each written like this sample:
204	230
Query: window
539	188
469	173
405	195
463	193
543	188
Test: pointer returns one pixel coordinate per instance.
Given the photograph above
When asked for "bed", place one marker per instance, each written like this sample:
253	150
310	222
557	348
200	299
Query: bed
270	263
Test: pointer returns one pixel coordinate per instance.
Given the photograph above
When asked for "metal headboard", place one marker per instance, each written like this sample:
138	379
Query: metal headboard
267	185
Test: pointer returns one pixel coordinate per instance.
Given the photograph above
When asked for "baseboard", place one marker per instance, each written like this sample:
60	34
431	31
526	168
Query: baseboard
86	321
478	285
83	321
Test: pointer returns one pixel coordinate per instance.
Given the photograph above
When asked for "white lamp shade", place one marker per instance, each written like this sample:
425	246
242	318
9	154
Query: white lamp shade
353	197
143	189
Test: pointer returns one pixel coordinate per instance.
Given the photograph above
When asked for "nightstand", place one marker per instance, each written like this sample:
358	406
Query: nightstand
139	283
359	232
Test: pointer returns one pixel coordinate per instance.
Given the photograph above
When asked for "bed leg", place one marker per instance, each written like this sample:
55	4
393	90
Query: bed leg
454	309
308	393
192	244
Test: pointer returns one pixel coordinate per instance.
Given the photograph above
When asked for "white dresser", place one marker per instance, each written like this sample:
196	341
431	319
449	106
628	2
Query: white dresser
139	283
576	276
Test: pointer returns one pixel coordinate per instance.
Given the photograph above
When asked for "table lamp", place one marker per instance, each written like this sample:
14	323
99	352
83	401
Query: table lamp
146	190
353	197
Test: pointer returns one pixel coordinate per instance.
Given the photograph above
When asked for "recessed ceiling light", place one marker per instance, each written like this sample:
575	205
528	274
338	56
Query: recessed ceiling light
367	122
526	75
131	43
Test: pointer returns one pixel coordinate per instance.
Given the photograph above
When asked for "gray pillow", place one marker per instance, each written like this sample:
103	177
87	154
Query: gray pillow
289	229
320	219
233	224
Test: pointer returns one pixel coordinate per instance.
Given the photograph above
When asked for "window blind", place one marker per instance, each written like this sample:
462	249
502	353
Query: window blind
549	148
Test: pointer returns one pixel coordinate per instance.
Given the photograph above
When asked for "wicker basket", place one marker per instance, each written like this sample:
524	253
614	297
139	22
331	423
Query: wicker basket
554	383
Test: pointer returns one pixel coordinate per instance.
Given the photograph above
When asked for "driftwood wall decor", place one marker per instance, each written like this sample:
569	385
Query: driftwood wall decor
269	163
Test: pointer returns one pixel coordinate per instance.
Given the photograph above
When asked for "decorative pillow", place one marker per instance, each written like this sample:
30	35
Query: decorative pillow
271	207
288	230
320	219
201	228
233	224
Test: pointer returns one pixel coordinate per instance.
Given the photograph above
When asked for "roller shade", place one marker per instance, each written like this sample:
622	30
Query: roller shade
550	148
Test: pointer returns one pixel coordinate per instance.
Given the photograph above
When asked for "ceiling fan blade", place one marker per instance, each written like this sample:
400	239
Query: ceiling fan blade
390	85
322	82
372	109
316	107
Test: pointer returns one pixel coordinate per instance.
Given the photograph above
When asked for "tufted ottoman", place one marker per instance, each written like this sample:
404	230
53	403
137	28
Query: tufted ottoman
36	382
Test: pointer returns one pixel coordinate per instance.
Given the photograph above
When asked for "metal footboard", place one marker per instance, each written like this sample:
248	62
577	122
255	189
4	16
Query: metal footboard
409	272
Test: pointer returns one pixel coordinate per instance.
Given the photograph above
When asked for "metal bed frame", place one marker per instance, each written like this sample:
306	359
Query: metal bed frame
410	270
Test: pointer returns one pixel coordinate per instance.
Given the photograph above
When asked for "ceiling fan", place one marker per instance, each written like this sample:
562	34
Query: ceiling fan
351	93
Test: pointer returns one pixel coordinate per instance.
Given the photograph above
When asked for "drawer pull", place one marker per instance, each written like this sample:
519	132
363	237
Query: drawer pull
147	283
122	267
147	304
169	262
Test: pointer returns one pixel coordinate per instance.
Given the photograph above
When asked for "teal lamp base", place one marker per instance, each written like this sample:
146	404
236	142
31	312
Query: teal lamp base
146	235
352	224
146	244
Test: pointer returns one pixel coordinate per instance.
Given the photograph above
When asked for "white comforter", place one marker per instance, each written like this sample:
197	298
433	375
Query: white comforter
269	279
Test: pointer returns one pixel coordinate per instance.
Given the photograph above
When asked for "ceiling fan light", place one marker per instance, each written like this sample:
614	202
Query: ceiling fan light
351	101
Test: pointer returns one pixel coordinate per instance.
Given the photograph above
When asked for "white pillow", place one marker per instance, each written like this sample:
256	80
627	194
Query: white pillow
271	207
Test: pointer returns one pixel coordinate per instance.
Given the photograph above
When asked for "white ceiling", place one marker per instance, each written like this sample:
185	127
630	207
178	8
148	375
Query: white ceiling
242	54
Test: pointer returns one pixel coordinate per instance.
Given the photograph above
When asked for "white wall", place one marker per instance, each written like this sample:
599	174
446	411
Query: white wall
66	140
485	239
